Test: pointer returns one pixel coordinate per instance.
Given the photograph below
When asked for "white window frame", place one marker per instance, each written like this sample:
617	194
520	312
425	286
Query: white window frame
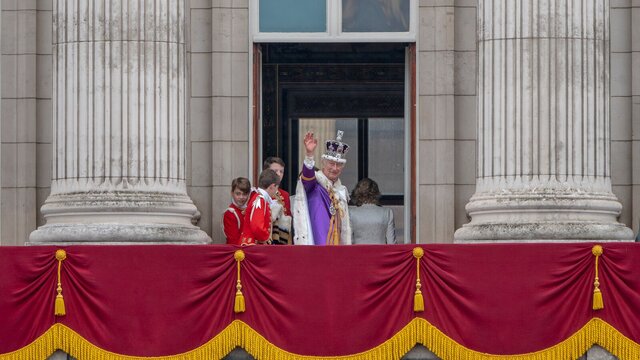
334	28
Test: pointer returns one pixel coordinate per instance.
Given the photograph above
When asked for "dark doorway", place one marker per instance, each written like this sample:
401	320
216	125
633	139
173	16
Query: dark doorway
358	88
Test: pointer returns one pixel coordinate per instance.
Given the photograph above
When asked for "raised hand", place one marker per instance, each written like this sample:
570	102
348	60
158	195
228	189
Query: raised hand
310	143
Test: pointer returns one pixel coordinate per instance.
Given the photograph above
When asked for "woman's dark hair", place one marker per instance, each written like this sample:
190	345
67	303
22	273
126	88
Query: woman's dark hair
366	192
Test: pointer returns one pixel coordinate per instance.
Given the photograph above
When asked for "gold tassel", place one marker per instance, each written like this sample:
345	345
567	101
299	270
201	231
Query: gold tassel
239	305
59	305
598	304
418	300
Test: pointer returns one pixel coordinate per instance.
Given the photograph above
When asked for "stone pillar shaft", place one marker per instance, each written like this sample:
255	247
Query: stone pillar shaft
120	94
119	122
543	166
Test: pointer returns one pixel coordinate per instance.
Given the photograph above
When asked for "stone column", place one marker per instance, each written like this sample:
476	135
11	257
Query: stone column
543	153
119	125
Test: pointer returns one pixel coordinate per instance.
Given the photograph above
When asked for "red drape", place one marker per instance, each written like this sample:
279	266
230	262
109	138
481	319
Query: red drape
324	301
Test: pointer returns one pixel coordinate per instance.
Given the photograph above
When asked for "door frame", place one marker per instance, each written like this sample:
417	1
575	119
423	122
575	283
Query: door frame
411	174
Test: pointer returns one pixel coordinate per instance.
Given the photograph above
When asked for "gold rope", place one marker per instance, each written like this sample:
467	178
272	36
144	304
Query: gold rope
59	309
419	330
239	305
418	300
598	304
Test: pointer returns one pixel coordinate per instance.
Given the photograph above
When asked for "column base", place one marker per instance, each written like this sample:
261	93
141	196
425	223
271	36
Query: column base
542	215
542	232
117	234
119	217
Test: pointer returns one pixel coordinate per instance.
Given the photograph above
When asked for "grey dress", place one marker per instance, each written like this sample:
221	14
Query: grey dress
372	224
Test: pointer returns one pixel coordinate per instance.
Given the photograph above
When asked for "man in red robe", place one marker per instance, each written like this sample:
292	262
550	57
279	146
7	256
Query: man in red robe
282	196
281	233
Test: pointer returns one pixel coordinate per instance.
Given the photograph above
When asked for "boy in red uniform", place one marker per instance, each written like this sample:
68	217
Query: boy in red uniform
261	211
233	217
282	226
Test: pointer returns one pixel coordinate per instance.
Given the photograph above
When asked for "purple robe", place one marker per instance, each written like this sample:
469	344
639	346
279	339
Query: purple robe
318	201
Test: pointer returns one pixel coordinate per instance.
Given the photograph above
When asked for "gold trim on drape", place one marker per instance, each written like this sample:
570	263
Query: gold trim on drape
596	331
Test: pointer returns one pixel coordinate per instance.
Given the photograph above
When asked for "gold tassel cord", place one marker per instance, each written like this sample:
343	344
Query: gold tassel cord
418	300
239	305
598	304
59	305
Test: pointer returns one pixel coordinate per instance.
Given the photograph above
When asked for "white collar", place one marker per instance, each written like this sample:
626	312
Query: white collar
264	194
238	206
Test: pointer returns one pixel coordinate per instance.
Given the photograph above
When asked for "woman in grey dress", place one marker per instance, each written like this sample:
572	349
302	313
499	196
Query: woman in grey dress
370	222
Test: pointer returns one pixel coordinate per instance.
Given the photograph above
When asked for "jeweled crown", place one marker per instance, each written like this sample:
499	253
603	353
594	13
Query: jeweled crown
336	149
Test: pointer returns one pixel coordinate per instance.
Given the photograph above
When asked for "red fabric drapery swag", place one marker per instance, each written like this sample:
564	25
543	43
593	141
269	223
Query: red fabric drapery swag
479	300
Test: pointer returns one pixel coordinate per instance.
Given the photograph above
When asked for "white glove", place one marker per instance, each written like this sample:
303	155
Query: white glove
284	223
276	211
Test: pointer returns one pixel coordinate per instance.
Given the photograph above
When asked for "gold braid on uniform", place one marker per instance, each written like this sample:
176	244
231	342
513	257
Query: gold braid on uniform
280	199
278	235
333	237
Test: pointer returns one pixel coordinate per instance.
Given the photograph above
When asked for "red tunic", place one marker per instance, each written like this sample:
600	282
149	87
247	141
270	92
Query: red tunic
282	197
232	221
257	221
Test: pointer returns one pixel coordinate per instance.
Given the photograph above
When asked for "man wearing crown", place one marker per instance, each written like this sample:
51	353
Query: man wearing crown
321	213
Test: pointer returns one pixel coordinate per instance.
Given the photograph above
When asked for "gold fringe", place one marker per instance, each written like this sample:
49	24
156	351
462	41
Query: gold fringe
239	305
59	309
418	300
596	331
598	304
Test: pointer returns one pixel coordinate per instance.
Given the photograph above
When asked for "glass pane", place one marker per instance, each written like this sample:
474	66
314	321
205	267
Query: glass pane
325	129
293	15
375	15
386	154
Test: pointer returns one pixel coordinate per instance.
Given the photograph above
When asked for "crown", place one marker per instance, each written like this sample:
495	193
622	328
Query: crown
336	149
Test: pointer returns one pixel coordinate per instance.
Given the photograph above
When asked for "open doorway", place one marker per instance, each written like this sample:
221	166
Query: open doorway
359	88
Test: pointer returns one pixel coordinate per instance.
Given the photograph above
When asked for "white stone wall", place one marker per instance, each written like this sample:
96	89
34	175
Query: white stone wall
633	111
219	118
436	121
465	105
621	124
446	121
25	116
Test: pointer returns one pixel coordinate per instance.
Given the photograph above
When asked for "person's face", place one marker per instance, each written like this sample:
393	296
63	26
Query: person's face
279	169
332	169
239	197
272	190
